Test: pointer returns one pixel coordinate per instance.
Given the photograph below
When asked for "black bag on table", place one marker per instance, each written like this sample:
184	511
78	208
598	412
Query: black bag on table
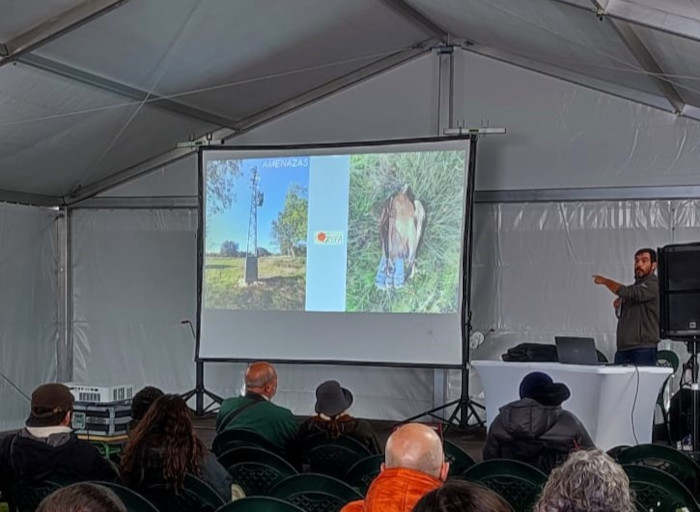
531	353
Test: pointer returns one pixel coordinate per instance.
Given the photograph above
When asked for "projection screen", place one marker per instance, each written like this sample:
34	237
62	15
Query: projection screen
333	253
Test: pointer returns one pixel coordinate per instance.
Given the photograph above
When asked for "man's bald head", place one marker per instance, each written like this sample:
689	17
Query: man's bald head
415	446
261	378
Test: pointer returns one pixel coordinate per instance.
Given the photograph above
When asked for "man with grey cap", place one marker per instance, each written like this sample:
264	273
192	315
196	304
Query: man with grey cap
47	448
333	420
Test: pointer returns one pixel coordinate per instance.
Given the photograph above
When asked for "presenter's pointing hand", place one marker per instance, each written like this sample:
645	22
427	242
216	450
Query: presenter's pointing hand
599	279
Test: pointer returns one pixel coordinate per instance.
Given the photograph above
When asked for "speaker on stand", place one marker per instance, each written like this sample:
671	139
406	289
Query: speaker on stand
679	294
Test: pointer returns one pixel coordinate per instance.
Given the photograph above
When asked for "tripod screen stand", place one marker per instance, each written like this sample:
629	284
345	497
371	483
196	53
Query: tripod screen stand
465	409
199	391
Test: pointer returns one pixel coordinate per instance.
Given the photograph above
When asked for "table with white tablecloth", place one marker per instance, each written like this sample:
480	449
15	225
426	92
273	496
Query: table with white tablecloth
615	403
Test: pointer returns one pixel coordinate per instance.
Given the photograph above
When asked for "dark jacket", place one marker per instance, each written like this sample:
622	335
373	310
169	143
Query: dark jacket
216	475
211	472
638	326
273	422
26	458
537	434
358	429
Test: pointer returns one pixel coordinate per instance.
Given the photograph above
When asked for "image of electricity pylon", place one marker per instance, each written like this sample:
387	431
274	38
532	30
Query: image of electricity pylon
251	250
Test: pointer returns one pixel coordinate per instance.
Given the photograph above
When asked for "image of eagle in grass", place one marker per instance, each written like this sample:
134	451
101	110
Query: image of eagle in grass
400	229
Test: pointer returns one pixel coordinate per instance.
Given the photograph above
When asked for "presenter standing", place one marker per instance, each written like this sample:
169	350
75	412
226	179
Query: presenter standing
637	310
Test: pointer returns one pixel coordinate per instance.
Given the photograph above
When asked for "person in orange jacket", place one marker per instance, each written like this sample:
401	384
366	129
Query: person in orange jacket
414	464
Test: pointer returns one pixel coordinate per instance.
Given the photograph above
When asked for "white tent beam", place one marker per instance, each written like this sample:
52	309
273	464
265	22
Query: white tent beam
329	88
139	203
123	90
589	82
655	18
247	124
13	196
419	19
586	194
644	57
54	27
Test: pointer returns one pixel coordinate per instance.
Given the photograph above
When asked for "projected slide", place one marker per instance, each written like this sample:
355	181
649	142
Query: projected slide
344	254
374	231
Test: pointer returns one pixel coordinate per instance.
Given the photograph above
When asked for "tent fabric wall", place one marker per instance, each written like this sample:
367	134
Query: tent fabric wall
28	307
133	282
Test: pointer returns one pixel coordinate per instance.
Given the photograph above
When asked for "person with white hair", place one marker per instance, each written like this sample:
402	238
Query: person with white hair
588	481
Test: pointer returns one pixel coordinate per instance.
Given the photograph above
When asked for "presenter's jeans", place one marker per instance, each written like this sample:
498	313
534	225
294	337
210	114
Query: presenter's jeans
637	357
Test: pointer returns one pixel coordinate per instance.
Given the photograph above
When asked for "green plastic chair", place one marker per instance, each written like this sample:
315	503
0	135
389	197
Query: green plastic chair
657	491
132	500
315	493
615	451
260	504
516	482
332	457
240	438
459	460
669	359
666	459
25	497
197	496
363	472
256	470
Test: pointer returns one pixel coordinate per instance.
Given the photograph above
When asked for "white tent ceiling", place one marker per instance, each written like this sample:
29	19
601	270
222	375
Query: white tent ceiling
96	90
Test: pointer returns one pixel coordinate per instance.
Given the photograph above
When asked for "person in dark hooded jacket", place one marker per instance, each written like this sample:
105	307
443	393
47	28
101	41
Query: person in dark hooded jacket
47	448
535	429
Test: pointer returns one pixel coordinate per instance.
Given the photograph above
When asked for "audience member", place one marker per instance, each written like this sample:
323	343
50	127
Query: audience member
462	496
142	402
535	429
255	411
164	448
333	420
82	497
588	481
47	448
414	464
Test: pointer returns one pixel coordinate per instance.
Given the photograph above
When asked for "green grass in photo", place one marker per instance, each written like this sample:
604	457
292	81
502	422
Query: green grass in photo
437	179
281	284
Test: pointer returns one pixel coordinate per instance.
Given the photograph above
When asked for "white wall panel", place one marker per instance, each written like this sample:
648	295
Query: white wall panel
28	307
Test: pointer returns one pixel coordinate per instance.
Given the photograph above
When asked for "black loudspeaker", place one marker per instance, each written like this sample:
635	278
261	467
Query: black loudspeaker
679	290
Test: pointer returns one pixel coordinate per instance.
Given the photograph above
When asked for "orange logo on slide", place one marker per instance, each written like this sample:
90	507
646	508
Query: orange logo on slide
328	237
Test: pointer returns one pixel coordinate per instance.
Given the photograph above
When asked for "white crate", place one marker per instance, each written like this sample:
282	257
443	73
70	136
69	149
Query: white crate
100	394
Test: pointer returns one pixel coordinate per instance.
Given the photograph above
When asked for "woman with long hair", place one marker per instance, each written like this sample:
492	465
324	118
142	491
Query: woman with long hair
164	447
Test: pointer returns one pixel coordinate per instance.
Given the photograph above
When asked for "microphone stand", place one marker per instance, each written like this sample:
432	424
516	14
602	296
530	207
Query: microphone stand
199	391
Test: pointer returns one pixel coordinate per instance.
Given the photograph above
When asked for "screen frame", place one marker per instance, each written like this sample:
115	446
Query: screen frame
467	227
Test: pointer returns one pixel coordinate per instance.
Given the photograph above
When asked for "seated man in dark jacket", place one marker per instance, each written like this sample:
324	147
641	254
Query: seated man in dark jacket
46	448
535	429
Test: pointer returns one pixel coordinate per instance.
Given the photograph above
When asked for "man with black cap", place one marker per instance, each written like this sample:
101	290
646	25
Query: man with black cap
46	448
332	418
535	429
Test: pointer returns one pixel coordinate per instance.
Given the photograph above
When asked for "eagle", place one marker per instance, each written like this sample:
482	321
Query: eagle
400	229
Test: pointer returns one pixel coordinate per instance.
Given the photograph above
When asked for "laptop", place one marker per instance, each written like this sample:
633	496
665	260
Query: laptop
572	350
